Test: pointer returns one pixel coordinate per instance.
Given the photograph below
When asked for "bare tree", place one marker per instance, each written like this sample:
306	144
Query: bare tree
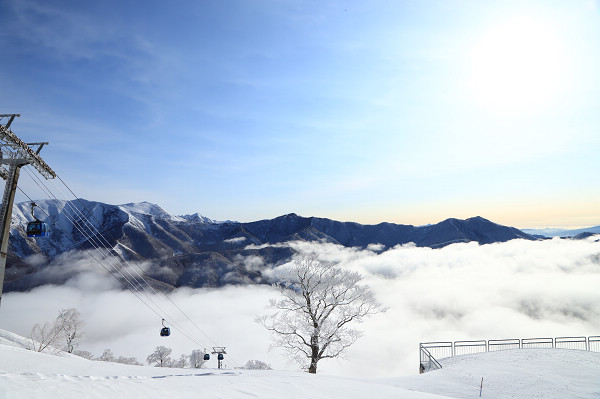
197	358
107	356
320	300
71	326
160	357
45	337
67	325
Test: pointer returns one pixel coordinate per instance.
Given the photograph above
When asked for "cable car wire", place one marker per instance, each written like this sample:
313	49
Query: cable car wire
154	290
95	239
136	284
141	277
91	254
131	286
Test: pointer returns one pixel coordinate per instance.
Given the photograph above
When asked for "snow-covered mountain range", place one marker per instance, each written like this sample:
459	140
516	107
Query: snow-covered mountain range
198	251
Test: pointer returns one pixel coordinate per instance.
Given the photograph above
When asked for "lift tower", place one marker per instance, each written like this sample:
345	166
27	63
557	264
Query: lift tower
219	351
14	153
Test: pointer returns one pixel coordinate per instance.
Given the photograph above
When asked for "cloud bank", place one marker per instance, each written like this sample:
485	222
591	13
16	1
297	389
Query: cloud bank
517	289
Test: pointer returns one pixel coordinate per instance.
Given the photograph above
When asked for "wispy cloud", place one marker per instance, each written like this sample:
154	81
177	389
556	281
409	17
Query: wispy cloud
72	33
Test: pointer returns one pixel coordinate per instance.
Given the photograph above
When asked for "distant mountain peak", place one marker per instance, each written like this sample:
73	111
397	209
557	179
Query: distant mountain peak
289	216
479	218
197	218
146	208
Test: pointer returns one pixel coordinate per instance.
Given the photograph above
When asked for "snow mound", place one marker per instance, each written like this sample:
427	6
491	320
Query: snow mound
29	374
518	373
10	339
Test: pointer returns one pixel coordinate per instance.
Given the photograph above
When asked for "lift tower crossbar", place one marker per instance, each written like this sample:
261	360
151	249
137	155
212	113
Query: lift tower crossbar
14	153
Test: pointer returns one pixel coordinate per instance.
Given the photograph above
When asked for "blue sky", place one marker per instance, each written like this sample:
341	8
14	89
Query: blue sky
400	111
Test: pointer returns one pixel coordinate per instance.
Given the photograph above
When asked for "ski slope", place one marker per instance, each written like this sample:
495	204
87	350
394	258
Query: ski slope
525	373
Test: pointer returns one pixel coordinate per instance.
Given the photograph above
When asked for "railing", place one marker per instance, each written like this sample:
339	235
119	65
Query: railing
503	344
537	343
427	362
430	351
469	347
594	343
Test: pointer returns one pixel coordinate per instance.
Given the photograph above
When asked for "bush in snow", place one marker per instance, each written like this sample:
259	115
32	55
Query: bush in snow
256	365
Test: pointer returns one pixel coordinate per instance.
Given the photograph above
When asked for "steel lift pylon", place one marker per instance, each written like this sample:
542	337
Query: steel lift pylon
14	153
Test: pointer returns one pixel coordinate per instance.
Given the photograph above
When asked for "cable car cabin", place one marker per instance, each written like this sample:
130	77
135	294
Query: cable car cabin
220	357
165	332
37	229
206	356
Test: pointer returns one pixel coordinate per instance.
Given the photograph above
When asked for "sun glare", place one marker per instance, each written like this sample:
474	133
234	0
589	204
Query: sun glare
518	67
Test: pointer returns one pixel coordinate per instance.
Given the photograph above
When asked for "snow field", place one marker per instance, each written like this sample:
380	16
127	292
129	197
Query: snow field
524	373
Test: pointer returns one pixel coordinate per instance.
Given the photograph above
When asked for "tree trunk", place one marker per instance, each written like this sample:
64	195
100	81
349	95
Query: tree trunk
314	355
313	366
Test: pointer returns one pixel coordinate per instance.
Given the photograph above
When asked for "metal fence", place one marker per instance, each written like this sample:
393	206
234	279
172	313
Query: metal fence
430	351
594	343
427	362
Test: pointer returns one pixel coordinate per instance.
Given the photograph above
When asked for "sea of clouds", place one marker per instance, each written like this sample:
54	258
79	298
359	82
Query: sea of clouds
517	289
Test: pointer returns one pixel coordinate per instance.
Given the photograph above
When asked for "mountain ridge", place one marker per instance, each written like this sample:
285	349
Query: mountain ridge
562	232
195	251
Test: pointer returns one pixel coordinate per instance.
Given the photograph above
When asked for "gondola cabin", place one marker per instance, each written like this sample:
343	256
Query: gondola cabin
165	332
37	229
220	357
206	356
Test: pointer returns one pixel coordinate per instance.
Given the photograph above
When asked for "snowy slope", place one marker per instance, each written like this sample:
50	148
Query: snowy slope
526	373
69	219
28	374
518	373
